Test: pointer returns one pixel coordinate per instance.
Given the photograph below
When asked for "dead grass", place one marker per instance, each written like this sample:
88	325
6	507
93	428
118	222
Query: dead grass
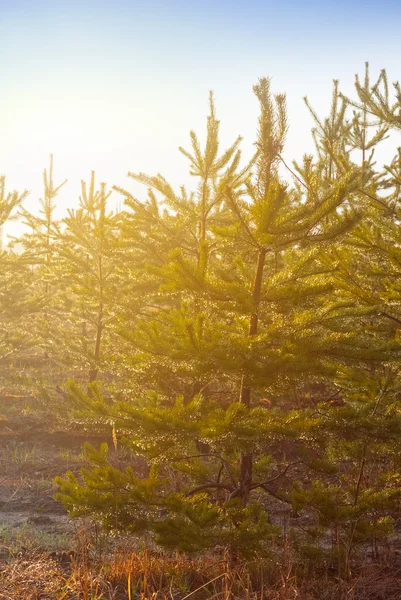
45	557
149	576
31	578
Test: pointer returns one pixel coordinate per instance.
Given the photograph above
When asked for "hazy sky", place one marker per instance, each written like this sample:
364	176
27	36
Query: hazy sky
117	85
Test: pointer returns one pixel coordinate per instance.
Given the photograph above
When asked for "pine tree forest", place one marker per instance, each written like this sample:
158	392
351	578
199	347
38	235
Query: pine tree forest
230	351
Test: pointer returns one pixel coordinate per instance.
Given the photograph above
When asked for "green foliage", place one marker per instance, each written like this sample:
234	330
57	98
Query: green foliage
241	340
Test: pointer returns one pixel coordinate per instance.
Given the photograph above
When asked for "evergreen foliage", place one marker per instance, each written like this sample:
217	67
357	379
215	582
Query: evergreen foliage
18	299
240	341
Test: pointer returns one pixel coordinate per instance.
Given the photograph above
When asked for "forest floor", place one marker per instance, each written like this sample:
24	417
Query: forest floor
44	555
31	455
38	541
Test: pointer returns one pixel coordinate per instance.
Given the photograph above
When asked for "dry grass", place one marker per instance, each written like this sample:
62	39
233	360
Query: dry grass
31	578
148	576
35	535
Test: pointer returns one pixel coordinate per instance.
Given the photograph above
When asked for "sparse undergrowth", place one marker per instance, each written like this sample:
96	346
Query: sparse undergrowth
45	556
145	576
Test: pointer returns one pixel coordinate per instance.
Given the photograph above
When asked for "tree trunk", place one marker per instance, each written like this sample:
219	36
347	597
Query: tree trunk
93	373
245	395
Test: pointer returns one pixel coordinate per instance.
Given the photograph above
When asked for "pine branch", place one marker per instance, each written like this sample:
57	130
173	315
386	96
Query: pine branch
281	474
206	486
213	455
241	218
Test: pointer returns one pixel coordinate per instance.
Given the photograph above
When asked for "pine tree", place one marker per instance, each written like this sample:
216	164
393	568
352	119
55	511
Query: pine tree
170	238
73	270
18	300
85	277
39	244
237	302
357	499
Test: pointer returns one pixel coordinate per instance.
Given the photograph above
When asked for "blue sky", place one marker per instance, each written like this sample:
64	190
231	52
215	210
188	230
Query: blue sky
116	86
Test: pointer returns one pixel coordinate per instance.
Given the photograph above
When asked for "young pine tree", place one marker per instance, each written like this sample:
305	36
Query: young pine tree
85	273
235	310
19	300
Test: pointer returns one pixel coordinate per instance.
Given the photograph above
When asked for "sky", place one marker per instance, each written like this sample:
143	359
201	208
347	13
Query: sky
116	86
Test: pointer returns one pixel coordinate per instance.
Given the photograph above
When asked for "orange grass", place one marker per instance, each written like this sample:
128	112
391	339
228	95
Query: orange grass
147	575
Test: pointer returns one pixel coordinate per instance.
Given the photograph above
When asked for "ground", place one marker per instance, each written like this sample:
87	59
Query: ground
38	542
46	556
